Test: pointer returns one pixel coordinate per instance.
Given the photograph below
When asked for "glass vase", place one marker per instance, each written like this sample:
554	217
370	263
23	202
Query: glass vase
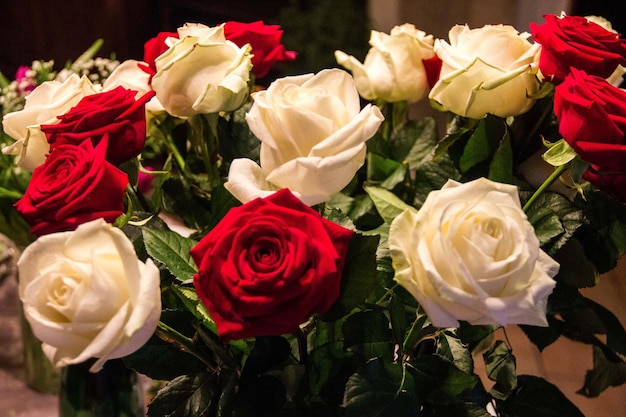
115	391
39	372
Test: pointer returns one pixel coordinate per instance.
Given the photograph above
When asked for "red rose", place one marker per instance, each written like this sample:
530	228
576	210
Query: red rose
114	113
265	42
614	184
433	69
268	265
573	41
592	119
73	186
155	47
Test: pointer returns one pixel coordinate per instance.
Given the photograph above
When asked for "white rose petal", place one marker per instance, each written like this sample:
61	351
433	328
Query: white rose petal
393	69
86	295
492	70
43	105
312	134
470	254
202	72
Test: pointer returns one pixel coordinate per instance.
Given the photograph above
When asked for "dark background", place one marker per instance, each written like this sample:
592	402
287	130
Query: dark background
62	29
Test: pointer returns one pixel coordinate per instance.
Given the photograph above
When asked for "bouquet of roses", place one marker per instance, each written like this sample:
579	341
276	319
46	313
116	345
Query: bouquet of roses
290	251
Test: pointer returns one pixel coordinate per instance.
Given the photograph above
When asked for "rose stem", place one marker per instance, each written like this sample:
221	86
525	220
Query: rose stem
547	183
170	335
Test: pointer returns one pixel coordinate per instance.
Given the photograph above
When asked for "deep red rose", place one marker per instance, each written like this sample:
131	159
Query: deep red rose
433	69
113	113
265	42
73	186
614	184
573	41
155	47
268	266
592	119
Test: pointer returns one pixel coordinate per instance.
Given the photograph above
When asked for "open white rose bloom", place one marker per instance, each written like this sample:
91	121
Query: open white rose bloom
312	133
492	69
470	254
393	69
202	72
43	105
86	295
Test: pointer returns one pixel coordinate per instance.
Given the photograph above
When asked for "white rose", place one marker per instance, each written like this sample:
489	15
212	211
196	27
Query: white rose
43	105
393	69
492	69
202	72
312	133
471	254
86	295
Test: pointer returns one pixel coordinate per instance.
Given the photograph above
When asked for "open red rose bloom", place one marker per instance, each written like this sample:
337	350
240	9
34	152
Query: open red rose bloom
75	185
265	41
268	265
114	113
592	120
574	41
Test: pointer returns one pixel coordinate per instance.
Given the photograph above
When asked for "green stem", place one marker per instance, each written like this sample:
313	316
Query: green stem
547	183
184	343
387	294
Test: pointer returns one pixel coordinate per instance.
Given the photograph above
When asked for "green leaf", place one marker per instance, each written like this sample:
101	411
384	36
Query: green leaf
437	375
501	167
604	237
186	396
389	206
381	389
367	333
414	141
560	153
575	269
451	348
380	168
161	360
604	374
268	352
326	370
474	335
555	220
459	128
172	250
190	299
432	175
178	198
536	397
398	318
359	275
500	367
484	141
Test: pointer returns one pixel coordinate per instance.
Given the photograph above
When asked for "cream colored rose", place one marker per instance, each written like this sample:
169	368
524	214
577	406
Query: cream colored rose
393	69
43	105
202	72
470	254
492	69
312	133
86	295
